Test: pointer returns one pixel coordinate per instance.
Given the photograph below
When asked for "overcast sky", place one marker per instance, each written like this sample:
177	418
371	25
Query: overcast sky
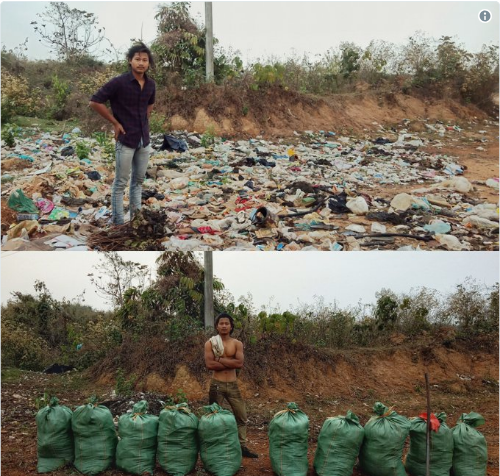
285	279
259	30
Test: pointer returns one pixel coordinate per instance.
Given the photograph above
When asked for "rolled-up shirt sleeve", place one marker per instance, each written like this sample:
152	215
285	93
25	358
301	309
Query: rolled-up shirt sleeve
106	93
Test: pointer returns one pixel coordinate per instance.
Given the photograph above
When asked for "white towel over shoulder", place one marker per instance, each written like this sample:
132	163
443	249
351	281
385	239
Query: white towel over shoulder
217	345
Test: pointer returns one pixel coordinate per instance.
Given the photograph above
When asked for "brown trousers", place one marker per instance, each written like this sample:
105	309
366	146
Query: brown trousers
230	391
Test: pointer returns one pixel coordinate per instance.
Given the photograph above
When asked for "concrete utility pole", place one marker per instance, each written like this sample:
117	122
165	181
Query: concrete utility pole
209	289
209	43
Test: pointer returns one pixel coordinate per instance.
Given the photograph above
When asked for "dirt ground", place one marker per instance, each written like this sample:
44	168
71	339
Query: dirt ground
460	383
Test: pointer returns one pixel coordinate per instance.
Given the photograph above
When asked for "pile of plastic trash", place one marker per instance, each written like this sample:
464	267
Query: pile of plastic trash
314	191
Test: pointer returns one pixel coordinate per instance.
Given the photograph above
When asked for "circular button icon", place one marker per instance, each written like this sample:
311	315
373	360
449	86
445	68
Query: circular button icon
484	16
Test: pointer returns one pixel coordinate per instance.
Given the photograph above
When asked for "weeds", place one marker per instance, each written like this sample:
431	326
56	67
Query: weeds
208	137
9	139
82	150
123	386
42	401
108	148
156	123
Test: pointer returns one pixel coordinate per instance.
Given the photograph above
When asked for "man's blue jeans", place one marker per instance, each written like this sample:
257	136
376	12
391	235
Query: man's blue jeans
128	159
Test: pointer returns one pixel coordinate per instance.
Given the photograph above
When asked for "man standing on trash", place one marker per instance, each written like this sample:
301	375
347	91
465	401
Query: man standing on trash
224	355
131	96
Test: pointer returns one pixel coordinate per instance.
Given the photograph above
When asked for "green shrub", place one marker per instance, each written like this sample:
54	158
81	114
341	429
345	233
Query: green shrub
82	150
208	137
22	348
124	387
156	123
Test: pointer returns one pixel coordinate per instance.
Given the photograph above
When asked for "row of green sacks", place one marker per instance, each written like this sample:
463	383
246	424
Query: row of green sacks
87	438
177	435
378	446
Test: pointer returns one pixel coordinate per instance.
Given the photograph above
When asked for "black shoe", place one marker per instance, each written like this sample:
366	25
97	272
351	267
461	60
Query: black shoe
246	453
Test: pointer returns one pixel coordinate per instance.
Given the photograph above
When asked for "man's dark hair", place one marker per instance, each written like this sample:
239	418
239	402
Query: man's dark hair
140	48
227	316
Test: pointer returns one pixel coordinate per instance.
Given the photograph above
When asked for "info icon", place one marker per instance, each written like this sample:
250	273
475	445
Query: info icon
485	16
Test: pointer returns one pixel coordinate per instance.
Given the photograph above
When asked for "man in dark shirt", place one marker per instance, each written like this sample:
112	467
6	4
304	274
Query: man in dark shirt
131	97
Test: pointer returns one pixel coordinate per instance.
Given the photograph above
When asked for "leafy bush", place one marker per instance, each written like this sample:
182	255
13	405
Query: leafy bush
108	147
90	82
8	135
23	348
268	75
61	91
179	329
157	123
17	97
82	150
208	137
124	387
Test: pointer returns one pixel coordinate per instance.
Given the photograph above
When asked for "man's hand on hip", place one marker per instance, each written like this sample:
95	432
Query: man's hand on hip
118	130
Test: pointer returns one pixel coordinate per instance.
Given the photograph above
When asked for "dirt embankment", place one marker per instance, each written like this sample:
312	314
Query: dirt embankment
291	375
278	112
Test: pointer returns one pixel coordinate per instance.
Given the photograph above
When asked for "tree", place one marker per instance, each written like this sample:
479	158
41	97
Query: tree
468	307
349	60
416	311
180	49
386	310
451	59
69	33
181	285
117	276
418	55
180	45
493	311
377	60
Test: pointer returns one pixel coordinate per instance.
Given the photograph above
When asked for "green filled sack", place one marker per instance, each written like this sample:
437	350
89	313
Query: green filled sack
136	450
338	445
382	448
95	438
441	446
470	453
54	435
288	435
177	439
220	448
21	203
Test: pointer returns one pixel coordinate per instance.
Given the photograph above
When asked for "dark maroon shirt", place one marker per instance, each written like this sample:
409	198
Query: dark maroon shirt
129	105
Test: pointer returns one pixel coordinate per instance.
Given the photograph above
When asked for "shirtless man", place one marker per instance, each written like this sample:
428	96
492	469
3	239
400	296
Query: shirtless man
224	356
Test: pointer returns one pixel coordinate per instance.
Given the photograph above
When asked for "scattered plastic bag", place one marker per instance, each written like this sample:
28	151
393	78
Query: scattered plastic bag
45	206
179	183
479	222
404	201
451	242
438	227
358	206
21	203
171	143
58	214
459	184
493	183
